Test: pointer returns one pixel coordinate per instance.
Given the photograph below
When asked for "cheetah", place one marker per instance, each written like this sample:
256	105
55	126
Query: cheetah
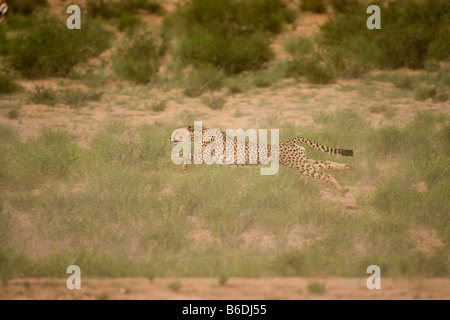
290	154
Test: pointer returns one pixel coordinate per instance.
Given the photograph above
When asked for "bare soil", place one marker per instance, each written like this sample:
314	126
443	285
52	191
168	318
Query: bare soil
233	289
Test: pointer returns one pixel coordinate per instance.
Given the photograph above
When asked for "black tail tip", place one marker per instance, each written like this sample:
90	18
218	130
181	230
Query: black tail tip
347	153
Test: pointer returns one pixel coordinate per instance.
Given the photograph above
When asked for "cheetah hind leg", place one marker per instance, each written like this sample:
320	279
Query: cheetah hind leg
330	165
312	169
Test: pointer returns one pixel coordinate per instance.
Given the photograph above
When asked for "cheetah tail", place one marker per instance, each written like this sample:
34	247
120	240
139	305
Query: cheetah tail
310	143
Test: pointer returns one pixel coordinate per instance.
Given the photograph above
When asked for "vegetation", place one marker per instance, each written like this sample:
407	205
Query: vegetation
138	58
114	9
418	33
8	85
228	34
74	98
48	49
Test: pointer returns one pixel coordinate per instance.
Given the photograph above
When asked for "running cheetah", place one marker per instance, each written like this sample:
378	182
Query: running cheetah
290	154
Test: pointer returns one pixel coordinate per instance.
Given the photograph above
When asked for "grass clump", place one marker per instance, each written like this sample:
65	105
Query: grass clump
128	22
43	95
202	79
47	48
74	98
175	285
214	101
424	92
159	105
316	287
13	114
138	58
8	85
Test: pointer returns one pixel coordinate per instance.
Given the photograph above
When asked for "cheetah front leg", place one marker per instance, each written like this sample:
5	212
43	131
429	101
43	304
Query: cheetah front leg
312	171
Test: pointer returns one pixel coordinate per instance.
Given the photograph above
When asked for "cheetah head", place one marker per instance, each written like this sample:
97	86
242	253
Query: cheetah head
181	132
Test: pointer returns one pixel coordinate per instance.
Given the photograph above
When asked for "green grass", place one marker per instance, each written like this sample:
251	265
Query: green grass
149	208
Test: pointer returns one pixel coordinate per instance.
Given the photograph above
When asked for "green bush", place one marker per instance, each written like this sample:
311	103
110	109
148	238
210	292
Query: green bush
48	48
138	58
229	34
418	32
306	62
243	52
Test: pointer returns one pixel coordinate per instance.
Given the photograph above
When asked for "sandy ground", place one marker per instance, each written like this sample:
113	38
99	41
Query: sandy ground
234	289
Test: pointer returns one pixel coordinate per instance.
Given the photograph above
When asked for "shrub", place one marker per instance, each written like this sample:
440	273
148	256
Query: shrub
13	114
418	32
101	8
441	96
46	96
136	5
128	21
316	6
202	79
138	58
345	6
214	101
423	92
229	34
159	105
7	84
49	49
114	9
316	287
307	62
74	98
404	82
26	7
243	52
